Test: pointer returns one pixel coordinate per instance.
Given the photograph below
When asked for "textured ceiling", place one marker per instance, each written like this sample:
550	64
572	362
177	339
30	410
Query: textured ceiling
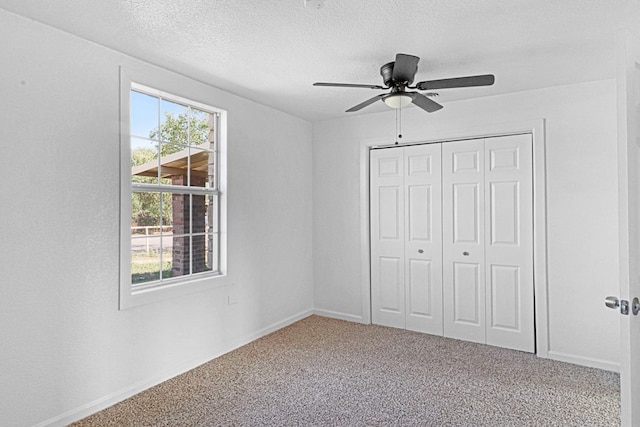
271	51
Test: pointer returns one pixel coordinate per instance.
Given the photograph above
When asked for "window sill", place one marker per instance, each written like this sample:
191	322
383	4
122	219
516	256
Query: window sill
137	297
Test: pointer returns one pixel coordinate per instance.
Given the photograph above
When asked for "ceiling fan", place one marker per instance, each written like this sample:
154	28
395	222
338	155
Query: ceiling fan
398	76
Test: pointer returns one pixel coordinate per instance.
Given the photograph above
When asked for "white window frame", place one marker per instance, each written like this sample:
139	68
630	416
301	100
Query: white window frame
174	88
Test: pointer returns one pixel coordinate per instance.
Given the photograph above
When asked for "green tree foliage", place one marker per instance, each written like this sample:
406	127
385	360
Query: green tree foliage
176	132
182	130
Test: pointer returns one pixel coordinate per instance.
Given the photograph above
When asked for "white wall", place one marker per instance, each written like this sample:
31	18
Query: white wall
65	349
582	243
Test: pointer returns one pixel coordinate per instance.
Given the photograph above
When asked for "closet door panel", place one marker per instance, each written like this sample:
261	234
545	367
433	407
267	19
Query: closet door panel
504	282
509	248
423	242
463	240
391	290
420	288
466	293
466	215
387	237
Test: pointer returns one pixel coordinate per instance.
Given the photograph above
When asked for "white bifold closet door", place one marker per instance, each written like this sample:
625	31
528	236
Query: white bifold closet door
406	249
451	240
487	241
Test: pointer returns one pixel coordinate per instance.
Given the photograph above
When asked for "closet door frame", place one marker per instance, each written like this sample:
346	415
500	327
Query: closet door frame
533	127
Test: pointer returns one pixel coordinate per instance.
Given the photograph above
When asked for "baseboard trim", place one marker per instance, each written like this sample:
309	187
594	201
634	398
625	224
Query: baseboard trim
338	315
118	396
584	361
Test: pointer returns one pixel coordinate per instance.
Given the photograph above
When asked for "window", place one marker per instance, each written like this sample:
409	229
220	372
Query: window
171	193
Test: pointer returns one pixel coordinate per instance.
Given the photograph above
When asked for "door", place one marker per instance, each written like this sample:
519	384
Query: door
423	239
509	242
628	81
406	245
452	240
463	240
387	237
488	241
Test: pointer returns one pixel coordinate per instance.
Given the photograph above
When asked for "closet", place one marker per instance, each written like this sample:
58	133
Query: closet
452	239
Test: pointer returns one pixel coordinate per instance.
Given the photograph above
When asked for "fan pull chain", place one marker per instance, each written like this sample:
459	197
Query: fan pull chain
396	127
398	124
400	127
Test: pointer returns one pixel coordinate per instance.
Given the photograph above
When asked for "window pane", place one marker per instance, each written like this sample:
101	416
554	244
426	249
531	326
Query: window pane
201	128
200	250
176	254
167	212
199	213
200	167
211	214
168	233
145	213
174	163
212	252
145	258
173	123
144	161
177	212
144	114
178	248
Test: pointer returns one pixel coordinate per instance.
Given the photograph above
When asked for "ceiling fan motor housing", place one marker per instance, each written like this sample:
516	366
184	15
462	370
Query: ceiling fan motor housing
386	71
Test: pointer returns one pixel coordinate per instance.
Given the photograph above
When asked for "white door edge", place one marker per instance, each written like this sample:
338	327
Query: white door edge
628	95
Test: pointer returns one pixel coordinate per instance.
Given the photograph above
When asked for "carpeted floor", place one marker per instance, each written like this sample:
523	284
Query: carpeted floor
326	372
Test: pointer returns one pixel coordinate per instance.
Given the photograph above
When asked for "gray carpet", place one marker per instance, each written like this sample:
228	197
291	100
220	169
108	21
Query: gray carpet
326	372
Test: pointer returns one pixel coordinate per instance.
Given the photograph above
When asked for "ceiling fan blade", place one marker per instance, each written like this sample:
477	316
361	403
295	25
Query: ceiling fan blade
482	80
405	68
349	85
365	103
425	103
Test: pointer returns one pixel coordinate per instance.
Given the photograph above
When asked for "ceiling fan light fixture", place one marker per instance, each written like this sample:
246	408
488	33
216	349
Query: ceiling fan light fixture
398	100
